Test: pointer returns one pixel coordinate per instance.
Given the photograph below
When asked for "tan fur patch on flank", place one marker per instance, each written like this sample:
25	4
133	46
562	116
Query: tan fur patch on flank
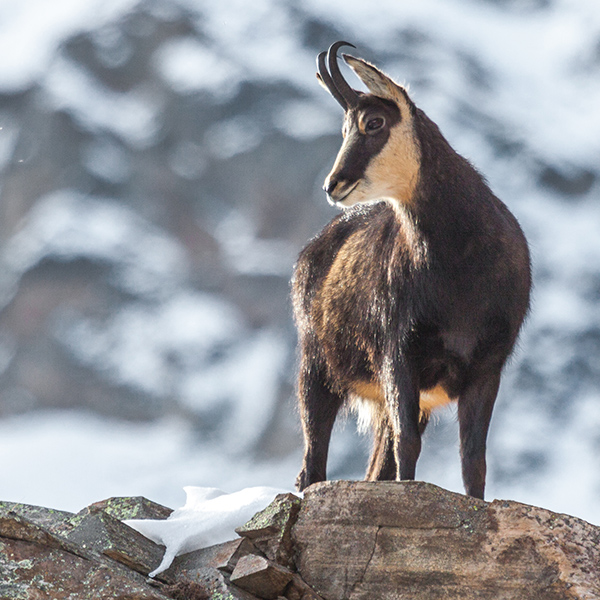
349	256
341	278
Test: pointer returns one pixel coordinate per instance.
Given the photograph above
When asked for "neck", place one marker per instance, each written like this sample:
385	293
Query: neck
417	242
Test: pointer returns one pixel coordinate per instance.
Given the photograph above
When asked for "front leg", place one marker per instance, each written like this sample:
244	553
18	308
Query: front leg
318	409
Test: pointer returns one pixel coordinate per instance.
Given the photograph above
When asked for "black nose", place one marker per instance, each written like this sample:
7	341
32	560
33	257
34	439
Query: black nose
330	185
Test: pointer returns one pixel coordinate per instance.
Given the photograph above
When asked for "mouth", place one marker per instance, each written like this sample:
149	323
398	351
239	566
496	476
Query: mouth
335	200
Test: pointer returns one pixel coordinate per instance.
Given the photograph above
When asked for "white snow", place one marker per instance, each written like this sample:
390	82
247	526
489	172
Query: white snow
208	517
67	224
188	160
565	482
263	37
541	57
107	160
137	345
233	136
134	116
9	135
247	253
247	383
188	66
31	31
72	224
306	119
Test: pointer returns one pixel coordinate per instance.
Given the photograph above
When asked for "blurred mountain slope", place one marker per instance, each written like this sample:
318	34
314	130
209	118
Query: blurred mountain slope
161	165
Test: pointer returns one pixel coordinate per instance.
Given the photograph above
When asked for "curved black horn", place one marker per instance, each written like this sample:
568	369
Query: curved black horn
326	79
348	94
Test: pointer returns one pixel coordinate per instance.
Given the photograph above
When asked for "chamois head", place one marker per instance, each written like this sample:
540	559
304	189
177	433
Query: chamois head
380	155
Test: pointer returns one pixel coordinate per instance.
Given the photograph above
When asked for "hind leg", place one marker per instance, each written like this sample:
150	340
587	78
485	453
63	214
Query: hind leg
319	407
382	464
474	413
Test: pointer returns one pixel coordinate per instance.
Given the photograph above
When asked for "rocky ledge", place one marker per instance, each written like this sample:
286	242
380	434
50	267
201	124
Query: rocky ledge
343	541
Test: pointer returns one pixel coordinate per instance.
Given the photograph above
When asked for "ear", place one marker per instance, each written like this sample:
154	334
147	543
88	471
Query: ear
377	82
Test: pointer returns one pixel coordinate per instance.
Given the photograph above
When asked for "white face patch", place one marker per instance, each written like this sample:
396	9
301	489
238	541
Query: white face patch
392	174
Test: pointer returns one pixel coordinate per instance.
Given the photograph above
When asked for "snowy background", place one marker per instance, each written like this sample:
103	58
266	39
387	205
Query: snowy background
160	168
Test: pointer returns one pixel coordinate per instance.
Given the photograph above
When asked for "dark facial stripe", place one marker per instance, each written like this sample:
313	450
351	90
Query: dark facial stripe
359	148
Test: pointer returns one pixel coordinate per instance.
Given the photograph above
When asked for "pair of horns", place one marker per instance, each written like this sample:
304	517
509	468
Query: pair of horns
333	80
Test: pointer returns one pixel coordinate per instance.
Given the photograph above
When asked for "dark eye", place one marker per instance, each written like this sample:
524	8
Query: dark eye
374	124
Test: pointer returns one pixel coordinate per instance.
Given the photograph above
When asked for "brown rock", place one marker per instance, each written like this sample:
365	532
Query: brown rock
50	554
220	556
273	520
361	540
350	541
243	547
106	535
187	591
47	518
135	507
27	523
261	577
298	589
32	570
39	560
270	529
210	568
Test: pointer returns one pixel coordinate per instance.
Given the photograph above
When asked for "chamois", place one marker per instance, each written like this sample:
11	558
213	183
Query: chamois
414	295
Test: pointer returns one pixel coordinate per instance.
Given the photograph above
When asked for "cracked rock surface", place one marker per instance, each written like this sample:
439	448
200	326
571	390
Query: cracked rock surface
359	540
